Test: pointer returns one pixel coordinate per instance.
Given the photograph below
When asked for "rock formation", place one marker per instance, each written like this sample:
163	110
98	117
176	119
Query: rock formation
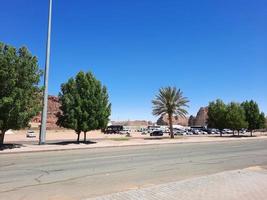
52	111
132	123
202	116
163	120
191	121
199	120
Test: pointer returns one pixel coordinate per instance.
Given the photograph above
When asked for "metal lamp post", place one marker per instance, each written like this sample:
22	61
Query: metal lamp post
45	95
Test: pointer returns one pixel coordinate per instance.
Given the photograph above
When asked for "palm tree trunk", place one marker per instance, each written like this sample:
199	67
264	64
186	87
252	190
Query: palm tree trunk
170	123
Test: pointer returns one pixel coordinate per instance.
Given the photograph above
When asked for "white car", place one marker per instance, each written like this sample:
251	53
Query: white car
227	131
30	134
189	133
179	132
125	131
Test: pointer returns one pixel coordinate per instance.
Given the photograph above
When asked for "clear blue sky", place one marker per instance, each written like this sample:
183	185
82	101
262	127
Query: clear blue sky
209	48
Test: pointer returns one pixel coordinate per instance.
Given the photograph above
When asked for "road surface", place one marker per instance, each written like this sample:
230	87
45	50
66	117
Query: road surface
80	174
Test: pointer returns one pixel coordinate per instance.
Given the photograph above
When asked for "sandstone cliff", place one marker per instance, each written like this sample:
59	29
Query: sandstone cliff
163	120
132	123
199	120
52	111
202	116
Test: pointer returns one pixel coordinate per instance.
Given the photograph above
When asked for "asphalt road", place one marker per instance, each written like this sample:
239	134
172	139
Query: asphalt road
79	174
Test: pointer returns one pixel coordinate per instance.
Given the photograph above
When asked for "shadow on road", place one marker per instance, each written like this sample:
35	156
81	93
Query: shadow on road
71	142
232	136
10	146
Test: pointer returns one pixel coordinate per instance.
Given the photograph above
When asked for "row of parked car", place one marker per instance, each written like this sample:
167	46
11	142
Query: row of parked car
194	131
117	129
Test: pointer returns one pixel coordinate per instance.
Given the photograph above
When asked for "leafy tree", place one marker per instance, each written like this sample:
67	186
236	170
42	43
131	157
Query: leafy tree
262	121
84	104
252	114
19	91
235	117
217	115
170	101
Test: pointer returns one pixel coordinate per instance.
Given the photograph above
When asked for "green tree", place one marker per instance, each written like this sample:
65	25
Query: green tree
252	114
217	115
84	104
235	117
19	91
170	101
262	121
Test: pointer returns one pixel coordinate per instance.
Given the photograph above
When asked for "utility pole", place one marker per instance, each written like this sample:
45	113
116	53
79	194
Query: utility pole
45	95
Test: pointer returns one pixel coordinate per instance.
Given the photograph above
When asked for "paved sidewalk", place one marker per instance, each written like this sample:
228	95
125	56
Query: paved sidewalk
246	184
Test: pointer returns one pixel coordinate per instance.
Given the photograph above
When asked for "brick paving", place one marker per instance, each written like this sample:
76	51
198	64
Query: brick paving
246	184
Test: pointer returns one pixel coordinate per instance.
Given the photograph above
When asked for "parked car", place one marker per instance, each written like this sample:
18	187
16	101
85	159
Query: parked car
144	132
113	129
243	131
30	134
189	132
213	131
125	131
227	131
179	132
196	131
156	133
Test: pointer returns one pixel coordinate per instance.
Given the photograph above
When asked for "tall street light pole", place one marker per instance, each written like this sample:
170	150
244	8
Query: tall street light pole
45	95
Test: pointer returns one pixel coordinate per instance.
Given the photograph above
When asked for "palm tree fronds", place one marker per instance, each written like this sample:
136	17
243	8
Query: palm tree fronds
170	101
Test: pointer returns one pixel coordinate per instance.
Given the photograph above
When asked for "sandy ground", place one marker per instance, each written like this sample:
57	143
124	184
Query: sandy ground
63	134
65	140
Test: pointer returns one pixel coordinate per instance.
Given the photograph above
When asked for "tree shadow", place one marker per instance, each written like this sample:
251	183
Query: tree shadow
10	146
156	138
232	136
242	136
71	142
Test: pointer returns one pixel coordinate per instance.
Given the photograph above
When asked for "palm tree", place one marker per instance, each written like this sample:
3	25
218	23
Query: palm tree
170	101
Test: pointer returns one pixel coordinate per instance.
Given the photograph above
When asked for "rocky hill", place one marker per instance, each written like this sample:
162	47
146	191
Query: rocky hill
163	120
202	116
199	120
52	111
132	123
